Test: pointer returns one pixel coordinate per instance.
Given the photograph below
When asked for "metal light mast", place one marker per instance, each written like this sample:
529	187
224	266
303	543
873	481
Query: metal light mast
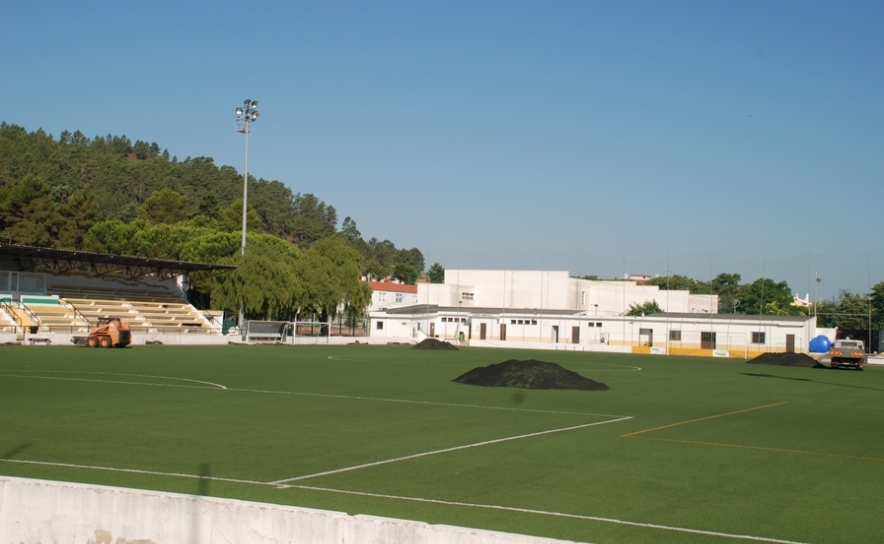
245	115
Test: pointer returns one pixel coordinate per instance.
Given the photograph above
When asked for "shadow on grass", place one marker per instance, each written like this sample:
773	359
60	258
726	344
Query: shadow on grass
15	451
205	476
810	380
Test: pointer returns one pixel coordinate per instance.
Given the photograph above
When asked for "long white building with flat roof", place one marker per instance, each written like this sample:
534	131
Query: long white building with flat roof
549	309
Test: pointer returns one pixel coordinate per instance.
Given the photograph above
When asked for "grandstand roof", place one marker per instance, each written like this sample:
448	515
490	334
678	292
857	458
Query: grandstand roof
64	260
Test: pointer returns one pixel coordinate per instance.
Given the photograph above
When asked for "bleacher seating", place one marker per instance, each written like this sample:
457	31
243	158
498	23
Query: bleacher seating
61	316
146	310
7	324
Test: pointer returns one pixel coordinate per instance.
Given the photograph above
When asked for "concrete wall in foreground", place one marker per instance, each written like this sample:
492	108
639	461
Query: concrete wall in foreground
40	511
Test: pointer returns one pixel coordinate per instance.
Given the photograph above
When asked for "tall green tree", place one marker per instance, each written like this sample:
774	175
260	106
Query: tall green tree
230	218
265	283
77	217
853	311
877	300
352	235
765	296
436	274
164	206
312	220
27	214
648	307
405	273
728	288
330	272
679	282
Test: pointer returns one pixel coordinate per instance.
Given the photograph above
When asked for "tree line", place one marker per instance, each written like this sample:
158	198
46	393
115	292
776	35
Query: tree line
108	194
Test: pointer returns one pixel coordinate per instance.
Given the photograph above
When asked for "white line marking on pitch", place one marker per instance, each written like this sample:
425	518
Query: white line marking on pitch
218	385
556	514
109	381
282	483
132	471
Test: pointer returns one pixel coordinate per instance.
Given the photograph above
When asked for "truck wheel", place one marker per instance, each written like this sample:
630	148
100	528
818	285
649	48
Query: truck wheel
92	342
105	342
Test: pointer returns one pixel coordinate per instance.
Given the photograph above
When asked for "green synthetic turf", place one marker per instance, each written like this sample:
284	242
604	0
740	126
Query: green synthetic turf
714	445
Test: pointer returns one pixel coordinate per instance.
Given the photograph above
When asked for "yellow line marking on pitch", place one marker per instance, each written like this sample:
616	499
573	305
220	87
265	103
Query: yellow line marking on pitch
763	448
716	416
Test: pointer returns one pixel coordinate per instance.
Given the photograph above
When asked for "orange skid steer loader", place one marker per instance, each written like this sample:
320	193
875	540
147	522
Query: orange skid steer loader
111	332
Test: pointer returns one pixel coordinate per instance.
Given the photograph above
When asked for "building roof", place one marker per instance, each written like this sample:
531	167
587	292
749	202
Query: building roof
65	260
497	311
419	309
732	317
391	287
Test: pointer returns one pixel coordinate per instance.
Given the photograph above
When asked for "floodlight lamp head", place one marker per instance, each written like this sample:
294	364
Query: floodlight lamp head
255	115
254	103
246	102
239	111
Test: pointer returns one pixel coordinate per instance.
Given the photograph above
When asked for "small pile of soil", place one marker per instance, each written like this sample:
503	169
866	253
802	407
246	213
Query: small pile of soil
433	343
786	359
531	374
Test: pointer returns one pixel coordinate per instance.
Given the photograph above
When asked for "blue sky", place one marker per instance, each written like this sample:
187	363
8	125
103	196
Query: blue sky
599	137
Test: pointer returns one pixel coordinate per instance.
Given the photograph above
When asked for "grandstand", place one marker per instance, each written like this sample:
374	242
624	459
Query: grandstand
52	295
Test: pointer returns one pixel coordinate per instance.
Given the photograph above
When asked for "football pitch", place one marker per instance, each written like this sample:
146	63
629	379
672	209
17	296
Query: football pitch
680	449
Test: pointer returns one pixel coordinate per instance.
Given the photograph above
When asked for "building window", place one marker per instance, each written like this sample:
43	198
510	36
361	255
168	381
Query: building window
590	324
534	322
598	324
467	296
675	336
380	325
382	297
758	337
512	321
399	297
583	298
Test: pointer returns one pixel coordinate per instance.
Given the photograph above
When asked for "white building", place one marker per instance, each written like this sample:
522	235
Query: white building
554	290
385	294
549	309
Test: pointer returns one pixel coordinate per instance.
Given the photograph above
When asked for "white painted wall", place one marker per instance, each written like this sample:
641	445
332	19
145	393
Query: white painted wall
33	511
528	328
554	290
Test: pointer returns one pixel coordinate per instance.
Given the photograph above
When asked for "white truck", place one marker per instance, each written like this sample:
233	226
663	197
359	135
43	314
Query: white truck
848	353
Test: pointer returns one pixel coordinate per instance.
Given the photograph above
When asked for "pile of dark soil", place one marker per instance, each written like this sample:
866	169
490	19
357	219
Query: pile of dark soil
531	374
433	343
786	359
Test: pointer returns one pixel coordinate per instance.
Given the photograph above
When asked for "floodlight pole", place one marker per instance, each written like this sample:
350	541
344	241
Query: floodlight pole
244	117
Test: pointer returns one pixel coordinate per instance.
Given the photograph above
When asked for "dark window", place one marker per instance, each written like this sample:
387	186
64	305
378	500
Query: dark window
590	324
534	322
758	337
707	340
598	324
675	336
380	325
